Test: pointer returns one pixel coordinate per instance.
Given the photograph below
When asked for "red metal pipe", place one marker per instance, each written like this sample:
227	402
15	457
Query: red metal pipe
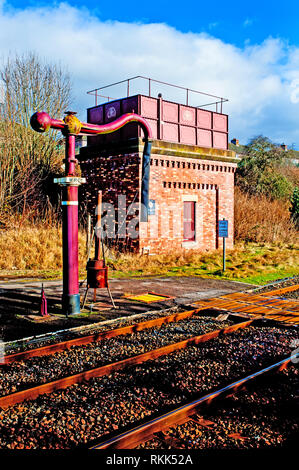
42	122
98	229
71	296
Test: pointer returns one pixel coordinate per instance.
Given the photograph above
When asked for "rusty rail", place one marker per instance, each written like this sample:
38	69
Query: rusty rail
34	392
221	302
282	290
96	337
145	432
265	304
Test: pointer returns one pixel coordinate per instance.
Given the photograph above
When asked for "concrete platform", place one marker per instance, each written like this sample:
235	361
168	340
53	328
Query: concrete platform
19	301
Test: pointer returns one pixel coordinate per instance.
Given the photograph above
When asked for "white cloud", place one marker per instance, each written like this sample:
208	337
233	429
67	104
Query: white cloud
257	79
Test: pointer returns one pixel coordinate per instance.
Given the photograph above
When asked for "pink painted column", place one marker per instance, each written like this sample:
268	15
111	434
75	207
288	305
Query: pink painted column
70	184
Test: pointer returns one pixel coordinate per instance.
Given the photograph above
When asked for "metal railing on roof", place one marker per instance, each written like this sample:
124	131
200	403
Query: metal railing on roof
188	91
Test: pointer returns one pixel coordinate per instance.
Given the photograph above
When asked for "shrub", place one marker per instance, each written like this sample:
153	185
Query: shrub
259	171
258	219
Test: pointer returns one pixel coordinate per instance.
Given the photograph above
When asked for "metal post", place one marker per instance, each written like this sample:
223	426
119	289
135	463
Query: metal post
88	233
146	161
223	254
98	227
160	131
70	296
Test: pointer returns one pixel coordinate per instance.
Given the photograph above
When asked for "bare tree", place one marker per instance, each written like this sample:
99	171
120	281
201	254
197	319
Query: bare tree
26	158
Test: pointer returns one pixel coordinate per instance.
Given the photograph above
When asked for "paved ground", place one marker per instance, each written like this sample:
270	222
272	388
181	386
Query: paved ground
19	301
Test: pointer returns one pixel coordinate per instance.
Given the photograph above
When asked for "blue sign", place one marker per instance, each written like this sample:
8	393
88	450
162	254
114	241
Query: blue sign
223	228
151	207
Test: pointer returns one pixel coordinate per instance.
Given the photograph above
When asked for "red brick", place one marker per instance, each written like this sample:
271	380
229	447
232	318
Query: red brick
205	177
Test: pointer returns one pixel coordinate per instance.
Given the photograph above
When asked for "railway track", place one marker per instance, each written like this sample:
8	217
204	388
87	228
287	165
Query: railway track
97	337
151	429
215	303
66	381
269	304
64	418
27	386
166	375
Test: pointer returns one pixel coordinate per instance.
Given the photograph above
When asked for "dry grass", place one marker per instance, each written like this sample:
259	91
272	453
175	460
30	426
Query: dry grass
266	249
291	172
257	219
35	248
36	251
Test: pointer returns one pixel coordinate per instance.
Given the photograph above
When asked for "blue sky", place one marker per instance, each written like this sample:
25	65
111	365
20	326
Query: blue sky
247	52
235	22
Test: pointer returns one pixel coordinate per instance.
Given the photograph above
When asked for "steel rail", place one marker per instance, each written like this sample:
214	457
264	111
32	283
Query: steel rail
145	431
257	294
214	303
266	304
96	337
34	392
282	290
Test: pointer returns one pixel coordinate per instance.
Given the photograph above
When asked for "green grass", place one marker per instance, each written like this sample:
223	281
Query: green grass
257	278
249	263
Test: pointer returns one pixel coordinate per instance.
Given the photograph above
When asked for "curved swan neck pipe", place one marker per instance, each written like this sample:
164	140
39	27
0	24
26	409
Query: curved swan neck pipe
71	126
41	122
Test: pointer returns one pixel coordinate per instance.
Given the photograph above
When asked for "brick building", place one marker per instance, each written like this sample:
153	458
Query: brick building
191	183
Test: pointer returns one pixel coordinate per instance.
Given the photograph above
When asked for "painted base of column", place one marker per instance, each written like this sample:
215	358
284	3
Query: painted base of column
71	304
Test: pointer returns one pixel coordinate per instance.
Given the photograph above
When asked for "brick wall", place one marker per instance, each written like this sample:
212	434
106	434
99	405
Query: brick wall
117	176
173	179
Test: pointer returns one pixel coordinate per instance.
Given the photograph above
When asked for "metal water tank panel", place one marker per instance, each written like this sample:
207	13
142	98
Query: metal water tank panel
187	135
130	104
204	138
112	111
170	132
220	122
204	119
187	115
174	122
219	140
148	107
130	131
95	115
154	127
170	111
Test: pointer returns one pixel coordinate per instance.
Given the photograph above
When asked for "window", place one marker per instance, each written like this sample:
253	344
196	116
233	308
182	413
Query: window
189	221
